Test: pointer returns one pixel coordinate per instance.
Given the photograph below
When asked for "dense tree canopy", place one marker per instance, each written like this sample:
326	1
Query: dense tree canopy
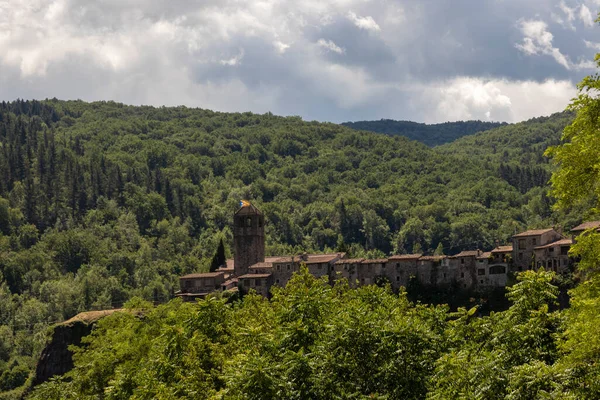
431	135
101	202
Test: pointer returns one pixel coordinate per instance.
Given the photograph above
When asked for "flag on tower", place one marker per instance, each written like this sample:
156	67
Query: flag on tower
244	203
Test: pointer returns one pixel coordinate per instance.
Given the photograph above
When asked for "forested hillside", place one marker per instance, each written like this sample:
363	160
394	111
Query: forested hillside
430	134
100	202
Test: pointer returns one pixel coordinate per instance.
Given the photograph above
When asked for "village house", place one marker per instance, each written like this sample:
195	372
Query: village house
524	245
470	269
579	229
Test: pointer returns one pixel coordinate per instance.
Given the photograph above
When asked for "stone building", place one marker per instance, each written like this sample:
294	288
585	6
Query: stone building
554	256
199	285
524	245
434	270
493	267
464	266
472	269
579	229
248	238
400	268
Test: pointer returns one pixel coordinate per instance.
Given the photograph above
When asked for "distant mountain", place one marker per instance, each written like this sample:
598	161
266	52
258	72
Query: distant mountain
432	135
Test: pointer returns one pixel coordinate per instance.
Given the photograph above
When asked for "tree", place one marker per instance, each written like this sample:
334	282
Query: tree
219	258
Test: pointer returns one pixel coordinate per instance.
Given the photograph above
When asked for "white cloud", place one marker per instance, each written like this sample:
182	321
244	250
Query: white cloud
280	46
586	16
466	98
592	45
366	23
282	55
538	40
331	46
233	61
569	14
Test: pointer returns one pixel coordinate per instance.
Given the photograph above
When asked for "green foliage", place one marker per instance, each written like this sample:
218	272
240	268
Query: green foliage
102	202
431	135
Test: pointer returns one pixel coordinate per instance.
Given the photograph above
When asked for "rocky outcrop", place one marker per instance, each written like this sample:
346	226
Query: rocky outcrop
56	358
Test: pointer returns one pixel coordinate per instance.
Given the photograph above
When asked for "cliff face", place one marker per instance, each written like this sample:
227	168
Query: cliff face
56	359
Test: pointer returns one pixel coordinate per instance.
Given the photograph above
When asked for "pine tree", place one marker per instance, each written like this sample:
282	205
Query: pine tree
219	257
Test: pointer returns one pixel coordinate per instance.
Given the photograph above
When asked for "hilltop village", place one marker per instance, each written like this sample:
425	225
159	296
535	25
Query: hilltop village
473	269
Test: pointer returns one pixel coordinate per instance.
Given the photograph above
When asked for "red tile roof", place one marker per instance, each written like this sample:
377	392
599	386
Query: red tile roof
405	257
202	275
562	242
322	258
251	276
432	258
261	265
586	225
503	249
349	261
375	261
533	232
485	255
467	253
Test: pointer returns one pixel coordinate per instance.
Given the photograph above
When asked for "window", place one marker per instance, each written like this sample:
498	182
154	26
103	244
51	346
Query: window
533	241
319	266
551	249
462	274
499	269
481	281
462	260
397	265
241	223
481	261
397	279
564	251
444	275
288	266
277	281
521	244
520	256
188	284
481	271
257	282
260	222
249	221
246	282
279	268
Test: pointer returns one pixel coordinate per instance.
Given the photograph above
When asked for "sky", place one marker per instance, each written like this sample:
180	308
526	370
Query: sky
341	60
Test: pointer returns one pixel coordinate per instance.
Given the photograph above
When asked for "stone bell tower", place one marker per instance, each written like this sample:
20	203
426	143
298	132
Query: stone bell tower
248	237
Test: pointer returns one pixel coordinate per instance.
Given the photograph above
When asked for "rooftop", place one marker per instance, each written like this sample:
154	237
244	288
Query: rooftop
533	232
406	257
248	209
323	258
262	265
485	255
202	275
468	253
251	276
350	261
586	225
562	242
432	258
503	249
375	261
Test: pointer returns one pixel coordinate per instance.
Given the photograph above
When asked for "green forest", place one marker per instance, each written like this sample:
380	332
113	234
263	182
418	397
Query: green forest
430	134
103	204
